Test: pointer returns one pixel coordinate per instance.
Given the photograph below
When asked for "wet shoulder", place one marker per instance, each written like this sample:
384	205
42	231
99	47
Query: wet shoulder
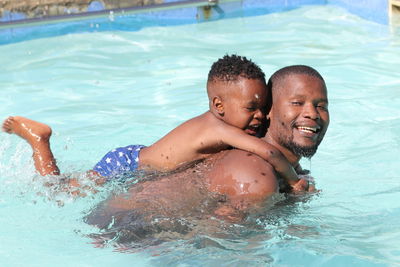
240	173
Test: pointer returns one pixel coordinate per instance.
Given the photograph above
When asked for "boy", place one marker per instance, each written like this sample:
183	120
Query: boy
237	107
237	95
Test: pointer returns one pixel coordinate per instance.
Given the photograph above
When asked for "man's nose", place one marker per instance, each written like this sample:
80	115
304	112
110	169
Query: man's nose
310	111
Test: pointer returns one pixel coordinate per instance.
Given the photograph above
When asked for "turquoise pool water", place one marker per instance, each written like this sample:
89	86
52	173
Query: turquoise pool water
108	89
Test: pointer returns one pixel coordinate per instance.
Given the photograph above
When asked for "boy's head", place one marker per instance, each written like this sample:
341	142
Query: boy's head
237	92
232	67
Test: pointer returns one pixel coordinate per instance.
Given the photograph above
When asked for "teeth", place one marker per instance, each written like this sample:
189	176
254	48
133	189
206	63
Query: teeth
307	129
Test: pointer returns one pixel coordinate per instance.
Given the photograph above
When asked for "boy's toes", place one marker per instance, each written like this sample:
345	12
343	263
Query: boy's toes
7	125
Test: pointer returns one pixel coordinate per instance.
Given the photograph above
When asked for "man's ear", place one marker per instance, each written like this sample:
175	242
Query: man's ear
268	115
218	105
268	119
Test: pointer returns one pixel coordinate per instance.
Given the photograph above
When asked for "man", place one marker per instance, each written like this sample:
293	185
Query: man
298	119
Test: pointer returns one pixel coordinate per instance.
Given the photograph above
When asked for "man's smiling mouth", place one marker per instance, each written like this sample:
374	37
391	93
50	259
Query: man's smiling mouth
308	129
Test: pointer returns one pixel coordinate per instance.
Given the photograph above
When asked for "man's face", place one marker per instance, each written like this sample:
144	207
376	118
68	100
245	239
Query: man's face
299	114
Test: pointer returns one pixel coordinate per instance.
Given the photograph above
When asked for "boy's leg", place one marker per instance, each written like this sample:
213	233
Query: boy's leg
38	136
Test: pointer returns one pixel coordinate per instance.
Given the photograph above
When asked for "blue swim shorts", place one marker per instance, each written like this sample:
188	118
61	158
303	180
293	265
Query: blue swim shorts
119	161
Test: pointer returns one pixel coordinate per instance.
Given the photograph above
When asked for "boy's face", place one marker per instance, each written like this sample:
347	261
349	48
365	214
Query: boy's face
245	104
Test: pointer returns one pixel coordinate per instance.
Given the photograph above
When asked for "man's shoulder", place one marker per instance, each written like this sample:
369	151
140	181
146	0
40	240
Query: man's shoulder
241	173
242	161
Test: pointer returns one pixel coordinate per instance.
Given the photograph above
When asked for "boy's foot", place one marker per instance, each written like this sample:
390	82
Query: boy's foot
31	131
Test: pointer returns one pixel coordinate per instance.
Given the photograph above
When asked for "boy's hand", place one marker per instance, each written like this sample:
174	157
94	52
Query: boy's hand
305	184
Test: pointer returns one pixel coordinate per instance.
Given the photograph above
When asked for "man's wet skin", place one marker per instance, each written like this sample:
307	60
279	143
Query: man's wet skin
176	203
180	206
168	195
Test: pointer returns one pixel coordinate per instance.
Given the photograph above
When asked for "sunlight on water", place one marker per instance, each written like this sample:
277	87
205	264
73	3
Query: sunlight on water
108	89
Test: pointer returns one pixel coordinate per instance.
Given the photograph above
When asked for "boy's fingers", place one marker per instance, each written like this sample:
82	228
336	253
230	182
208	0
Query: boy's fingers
301	185
311	188
304	185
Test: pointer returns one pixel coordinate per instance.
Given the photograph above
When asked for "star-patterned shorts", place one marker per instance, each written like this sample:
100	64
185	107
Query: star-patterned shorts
119	161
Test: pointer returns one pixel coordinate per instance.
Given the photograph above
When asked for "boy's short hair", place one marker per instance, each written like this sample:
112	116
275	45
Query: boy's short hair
231	67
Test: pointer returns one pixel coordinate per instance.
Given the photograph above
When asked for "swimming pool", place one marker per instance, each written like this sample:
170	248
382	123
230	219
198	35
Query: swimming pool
113	88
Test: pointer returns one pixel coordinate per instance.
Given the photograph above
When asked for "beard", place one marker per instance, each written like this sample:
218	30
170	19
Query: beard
302	151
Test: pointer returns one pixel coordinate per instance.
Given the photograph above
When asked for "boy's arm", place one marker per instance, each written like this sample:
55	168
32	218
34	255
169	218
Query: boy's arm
237	138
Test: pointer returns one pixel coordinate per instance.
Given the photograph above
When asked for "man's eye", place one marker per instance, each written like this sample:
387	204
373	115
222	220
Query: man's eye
296	103
251	109
323	107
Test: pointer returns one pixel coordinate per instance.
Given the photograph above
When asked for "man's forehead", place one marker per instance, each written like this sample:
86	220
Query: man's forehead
292	84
